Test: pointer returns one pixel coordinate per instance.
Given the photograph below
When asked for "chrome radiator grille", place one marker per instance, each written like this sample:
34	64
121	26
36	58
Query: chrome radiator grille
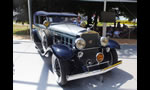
89	55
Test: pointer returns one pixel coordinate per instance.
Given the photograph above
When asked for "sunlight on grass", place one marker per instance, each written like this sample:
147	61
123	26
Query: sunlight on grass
20	29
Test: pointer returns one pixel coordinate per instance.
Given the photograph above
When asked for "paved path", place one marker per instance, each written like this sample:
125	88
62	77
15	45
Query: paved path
31	71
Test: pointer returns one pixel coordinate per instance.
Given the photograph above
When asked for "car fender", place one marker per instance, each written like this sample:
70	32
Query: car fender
113	44
61	51
35	36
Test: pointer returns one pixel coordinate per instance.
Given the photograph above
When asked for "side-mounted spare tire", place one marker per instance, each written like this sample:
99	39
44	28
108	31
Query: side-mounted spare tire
49	37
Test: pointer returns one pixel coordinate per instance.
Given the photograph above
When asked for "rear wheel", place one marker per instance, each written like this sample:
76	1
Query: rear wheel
58	68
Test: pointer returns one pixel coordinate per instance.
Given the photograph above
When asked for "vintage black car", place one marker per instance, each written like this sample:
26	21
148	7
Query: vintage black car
76	52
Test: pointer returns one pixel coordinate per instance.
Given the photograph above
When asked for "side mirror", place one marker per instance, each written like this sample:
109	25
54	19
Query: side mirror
46	23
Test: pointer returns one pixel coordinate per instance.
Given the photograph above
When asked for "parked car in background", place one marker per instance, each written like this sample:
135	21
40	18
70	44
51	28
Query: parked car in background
75	51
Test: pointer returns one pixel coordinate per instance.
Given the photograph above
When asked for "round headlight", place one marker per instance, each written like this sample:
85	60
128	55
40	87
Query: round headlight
104	41
80	43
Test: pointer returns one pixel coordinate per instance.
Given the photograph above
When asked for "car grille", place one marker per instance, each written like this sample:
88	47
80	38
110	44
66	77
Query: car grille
89	55
92	40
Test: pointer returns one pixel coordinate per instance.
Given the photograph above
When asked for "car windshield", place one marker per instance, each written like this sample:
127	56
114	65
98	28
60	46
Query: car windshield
57	19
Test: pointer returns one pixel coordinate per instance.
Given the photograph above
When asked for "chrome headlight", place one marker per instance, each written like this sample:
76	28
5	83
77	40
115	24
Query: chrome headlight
80	43
104	41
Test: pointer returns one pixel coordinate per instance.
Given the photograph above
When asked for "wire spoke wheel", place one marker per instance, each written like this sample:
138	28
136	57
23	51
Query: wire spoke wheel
58	68
111	56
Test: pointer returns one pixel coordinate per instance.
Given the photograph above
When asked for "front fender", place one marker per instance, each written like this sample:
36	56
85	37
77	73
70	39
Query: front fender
113	44
35	36
62	51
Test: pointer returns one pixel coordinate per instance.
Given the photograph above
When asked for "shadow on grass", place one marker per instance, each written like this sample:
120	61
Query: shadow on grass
22	32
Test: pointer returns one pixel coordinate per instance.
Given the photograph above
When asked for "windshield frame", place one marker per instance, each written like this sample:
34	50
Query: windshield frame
61	19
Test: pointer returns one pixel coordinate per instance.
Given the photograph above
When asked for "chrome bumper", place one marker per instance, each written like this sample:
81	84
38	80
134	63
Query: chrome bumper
92	73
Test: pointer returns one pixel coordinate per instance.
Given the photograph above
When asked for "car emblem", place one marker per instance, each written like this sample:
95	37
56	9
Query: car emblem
90	41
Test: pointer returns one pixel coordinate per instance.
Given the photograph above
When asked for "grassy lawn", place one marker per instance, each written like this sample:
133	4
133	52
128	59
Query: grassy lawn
19	29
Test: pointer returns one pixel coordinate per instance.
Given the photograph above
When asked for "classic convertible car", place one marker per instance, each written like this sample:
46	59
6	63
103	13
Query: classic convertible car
76	52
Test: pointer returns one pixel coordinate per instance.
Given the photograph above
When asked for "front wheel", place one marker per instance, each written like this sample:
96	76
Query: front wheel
111	56
114	56
58	68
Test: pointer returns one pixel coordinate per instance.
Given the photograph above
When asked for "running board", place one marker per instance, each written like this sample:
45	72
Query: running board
92	73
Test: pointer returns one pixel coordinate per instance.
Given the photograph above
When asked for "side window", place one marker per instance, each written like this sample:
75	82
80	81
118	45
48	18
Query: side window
42	19
50	19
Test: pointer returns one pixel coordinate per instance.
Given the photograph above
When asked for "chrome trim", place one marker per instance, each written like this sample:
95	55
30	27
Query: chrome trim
80	54
97	64
90	48
107	49
92	73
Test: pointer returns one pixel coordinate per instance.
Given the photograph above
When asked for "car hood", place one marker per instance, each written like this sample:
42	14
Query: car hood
67	28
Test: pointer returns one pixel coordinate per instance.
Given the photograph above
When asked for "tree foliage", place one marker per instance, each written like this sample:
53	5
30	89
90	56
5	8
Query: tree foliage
87	8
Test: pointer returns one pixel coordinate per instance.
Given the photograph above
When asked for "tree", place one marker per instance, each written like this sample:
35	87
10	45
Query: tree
128	10
75	6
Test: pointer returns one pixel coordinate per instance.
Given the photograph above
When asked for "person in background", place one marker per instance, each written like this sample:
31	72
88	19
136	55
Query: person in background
77	21
118	25
116	33
110	31
125	27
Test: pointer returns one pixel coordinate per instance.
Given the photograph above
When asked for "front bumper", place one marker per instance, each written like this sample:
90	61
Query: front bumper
92	73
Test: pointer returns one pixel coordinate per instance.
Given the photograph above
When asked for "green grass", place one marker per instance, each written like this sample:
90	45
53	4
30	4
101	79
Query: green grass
20	29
